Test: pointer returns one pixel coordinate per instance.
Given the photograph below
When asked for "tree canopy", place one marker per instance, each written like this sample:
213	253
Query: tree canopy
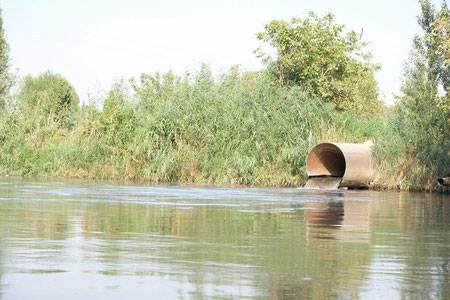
50	94
440	34
436	25
315	53
5	76
423	109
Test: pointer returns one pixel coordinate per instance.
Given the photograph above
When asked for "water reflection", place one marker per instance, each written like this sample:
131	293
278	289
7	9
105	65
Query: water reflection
190	242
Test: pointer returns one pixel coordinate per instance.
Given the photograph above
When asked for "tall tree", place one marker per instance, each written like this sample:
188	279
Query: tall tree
423	110
438	38
435	41
316	53
5	76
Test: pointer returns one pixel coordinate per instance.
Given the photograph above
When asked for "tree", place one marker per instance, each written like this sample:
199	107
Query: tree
6	79
428	68
437	27
49	94
314	53
434	42
423	111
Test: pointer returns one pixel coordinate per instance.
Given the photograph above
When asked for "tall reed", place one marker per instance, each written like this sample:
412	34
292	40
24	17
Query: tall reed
239	128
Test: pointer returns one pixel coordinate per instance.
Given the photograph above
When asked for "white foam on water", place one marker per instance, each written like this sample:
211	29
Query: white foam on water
323	183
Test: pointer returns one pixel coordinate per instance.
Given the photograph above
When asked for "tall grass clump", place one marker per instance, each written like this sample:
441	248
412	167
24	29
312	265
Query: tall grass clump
242	128
237	128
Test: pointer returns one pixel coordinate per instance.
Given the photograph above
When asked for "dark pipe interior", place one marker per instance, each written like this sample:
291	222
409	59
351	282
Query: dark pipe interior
327	159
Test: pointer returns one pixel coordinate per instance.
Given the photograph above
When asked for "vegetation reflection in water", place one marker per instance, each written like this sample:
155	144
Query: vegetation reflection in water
85	239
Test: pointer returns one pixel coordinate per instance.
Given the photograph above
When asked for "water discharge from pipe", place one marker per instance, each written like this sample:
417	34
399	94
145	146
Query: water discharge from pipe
335	165
324	183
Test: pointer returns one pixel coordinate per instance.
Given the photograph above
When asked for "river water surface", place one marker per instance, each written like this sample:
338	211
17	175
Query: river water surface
84	240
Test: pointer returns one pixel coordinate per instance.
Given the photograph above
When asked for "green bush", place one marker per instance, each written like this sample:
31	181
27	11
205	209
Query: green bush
51	96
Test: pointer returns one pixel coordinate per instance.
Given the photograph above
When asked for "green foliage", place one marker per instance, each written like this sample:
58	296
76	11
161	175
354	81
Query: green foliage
150	88
315	53
431	44
117	120
420	117
6	79
439	35
239	128
50	95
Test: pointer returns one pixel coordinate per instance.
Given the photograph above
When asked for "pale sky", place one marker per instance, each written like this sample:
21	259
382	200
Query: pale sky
92	43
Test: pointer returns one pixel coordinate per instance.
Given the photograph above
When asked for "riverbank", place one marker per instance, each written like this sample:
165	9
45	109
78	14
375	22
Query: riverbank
240	129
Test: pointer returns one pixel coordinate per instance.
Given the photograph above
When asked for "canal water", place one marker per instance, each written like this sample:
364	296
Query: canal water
86	240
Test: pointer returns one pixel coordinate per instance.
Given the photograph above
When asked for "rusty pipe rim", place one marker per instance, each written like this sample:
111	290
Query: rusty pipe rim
326	159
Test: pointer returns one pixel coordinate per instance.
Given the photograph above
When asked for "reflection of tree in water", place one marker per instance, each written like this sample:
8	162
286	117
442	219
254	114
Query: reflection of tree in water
416	225
1	260
203	245
249	252
320	267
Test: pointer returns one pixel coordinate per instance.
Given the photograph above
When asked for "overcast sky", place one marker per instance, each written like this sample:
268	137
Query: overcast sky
92	43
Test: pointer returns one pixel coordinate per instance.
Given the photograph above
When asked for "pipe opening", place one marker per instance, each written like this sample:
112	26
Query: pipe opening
325	160
444	181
